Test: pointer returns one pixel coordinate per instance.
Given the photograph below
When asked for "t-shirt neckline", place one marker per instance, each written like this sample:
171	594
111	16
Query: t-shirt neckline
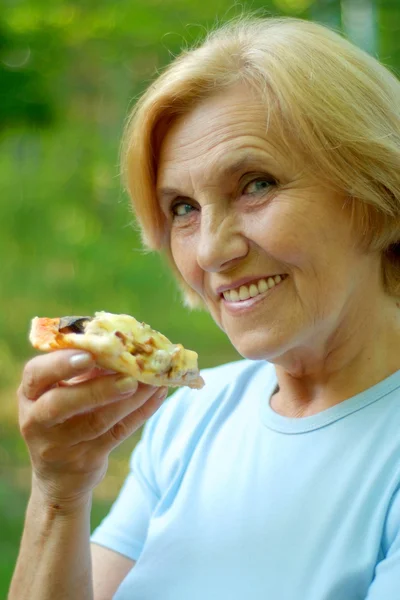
292	425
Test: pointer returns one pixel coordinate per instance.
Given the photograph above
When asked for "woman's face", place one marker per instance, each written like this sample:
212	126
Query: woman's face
241	212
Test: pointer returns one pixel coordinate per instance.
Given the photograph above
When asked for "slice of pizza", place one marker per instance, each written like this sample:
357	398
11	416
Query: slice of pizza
121	343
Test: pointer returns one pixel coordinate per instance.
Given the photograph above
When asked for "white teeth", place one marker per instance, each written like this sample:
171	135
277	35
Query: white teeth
253	290
262	286
245	292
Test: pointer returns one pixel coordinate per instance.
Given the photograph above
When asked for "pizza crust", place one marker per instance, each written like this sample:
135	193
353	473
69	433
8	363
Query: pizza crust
121	343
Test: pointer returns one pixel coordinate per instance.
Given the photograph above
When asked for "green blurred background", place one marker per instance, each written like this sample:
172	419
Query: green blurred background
69	71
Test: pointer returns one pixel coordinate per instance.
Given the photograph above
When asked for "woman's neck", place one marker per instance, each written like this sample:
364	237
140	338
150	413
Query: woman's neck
356	359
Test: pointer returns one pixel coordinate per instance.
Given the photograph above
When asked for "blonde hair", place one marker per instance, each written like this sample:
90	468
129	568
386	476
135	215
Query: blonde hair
334	106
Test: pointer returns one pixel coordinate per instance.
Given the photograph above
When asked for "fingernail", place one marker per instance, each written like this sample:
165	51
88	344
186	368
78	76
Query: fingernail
126	384
163	393
80	361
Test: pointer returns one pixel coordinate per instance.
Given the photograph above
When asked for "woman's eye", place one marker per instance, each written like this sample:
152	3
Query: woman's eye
258	186
181	209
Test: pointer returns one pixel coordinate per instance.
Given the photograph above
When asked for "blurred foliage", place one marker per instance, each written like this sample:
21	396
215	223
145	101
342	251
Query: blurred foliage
24	98
68	73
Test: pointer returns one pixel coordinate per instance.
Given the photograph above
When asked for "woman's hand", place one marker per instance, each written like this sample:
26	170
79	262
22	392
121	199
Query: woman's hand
72	415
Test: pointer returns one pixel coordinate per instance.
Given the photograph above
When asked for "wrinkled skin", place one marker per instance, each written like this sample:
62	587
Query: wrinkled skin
329	328
71	417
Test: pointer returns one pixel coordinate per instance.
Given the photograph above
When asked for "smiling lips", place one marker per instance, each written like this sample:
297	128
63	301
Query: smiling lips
244	292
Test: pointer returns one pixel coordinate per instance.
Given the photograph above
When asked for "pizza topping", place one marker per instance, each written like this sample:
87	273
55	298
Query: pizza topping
161	361
140	364
121	336
73	324
139	348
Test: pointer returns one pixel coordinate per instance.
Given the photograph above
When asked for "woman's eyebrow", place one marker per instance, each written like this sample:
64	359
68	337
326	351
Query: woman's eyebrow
240	164
244	162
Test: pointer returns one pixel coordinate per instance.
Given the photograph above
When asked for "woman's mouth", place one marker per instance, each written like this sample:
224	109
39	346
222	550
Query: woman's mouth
247	295
244	292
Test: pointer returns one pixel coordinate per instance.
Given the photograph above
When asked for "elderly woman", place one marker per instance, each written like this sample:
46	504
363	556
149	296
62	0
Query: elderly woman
266	165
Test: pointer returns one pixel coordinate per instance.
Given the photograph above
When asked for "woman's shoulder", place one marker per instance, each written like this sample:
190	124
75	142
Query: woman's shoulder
229	379
187	410
233	373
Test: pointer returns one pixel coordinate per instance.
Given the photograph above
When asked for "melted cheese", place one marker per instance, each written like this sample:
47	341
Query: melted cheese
154	349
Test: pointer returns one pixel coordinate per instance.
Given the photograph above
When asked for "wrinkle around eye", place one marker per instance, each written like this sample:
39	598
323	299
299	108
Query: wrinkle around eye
187	221
263	191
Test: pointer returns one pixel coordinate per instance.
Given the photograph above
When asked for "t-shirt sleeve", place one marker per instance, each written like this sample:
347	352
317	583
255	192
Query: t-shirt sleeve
386	582
124	529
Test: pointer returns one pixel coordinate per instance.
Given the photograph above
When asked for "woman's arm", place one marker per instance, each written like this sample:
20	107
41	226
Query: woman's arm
109	569
70	430
54	559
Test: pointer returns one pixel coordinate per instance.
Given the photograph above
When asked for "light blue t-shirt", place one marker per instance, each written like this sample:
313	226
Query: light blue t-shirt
227	499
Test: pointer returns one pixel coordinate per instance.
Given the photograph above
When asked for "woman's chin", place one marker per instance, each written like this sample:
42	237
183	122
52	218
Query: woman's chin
257	347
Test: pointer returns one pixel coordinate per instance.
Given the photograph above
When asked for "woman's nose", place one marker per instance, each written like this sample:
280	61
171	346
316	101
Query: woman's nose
220	243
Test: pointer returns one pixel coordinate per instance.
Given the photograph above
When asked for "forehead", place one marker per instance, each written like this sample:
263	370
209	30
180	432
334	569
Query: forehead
220	132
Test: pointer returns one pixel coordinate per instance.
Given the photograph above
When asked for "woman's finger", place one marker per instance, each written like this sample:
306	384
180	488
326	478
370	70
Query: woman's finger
62	403
44	371
95	372
121	430
92	425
